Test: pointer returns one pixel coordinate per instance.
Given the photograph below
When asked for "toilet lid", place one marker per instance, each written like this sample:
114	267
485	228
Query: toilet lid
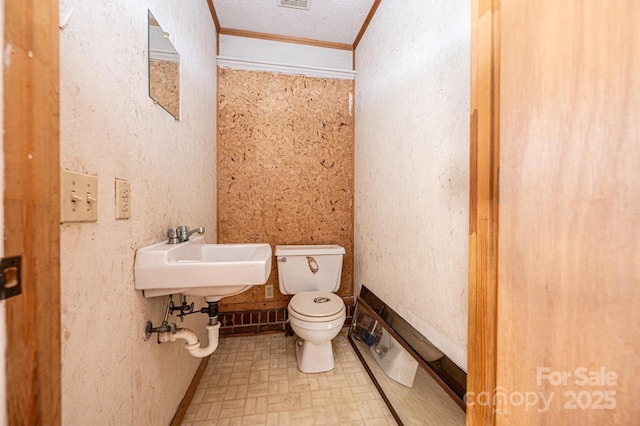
316	304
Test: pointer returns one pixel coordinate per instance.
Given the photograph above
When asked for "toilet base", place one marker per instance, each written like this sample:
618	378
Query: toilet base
314	358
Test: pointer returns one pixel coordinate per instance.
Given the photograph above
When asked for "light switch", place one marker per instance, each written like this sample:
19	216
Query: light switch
123	199
78	197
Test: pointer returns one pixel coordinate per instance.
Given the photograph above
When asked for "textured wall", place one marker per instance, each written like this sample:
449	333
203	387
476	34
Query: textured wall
285	165
412	179
110	127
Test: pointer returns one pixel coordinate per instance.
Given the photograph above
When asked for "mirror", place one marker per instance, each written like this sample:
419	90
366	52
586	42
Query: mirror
415	393
164	69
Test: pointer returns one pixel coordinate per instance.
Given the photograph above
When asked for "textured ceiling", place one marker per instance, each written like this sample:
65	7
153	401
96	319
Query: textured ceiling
337	21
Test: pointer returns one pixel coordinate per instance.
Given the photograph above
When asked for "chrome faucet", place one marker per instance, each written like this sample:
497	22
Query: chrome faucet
182	234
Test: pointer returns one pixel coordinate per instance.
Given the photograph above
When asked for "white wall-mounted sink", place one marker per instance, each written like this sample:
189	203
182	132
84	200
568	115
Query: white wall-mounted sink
194	268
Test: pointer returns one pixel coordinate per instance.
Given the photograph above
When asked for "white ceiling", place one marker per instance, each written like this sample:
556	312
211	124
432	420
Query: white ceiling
337	21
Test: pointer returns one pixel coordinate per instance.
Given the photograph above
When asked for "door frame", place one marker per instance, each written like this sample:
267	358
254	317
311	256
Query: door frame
483	210
31	149
31	209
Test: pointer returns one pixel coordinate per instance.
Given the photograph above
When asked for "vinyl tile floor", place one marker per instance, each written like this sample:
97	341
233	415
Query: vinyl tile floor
255	381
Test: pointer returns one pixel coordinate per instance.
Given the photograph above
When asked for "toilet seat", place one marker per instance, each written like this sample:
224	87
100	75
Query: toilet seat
316	306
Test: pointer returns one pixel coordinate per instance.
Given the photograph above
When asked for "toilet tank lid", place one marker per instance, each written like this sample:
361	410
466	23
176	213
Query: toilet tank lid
309	250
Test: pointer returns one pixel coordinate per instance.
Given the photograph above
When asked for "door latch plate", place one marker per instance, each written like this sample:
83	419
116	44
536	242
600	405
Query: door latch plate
10	282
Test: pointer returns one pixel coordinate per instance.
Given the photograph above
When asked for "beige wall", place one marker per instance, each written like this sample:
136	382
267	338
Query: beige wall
412	166
110	127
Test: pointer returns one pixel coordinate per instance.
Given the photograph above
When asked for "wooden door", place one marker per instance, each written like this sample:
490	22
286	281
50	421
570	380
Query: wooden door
554	296
568	327
31	209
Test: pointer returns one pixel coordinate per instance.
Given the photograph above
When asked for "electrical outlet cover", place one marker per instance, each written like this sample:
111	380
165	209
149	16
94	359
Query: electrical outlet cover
123	199
268	291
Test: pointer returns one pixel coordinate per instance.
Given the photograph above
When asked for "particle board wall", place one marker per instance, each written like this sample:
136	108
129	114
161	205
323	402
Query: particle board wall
164	85
285	168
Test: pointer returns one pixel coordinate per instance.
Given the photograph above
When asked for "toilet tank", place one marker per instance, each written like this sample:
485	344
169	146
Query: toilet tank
309	268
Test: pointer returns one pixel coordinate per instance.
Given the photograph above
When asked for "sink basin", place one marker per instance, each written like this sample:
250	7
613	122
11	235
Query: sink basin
194	268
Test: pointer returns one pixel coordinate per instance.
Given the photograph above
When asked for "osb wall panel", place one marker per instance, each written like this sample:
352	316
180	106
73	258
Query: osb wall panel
164	85
285	168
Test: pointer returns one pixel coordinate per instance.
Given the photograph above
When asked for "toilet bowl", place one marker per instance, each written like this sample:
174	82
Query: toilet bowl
316	324
316	314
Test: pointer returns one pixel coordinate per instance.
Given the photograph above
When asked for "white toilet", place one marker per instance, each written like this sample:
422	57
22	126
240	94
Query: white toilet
312	273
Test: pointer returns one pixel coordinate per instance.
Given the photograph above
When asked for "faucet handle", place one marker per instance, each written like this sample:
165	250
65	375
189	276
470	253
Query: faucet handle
172	234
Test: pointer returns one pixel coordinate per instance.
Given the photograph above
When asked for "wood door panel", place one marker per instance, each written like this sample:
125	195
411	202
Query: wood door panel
569	247
31	210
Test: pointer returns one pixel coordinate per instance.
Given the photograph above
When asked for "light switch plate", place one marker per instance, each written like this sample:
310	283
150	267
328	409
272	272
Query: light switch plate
78	197
123	199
